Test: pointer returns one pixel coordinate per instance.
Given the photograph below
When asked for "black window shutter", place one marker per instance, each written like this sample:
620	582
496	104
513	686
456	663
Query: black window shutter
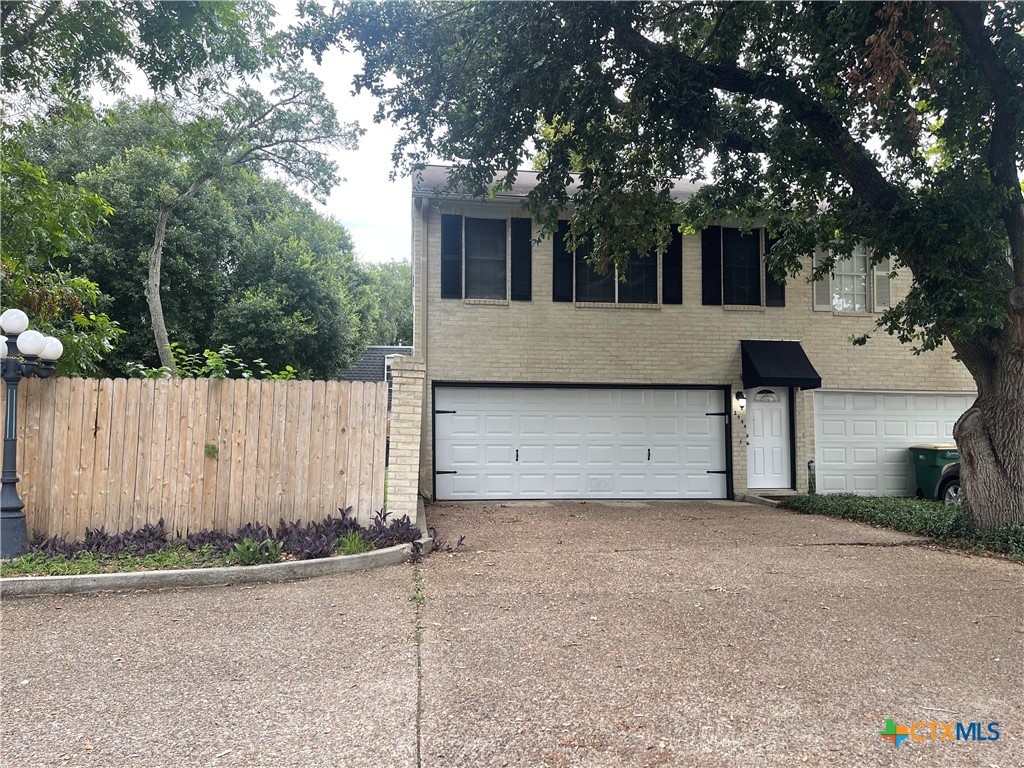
672	270
561	267
451	257
774	290
711	265
522	259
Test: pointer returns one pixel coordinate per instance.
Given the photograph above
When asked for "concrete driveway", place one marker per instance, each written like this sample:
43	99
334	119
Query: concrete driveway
570	634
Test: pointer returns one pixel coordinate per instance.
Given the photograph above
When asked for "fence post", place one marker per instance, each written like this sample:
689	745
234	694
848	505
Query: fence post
408	375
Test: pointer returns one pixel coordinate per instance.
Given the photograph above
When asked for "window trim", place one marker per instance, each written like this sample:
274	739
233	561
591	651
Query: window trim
762	272
873	276
618	283
514	228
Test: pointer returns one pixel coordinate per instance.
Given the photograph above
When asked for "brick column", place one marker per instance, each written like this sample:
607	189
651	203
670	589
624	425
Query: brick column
408	374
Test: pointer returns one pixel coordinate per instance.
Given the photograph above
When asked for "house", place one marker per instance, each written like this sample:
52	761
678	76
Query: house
374	364
698	377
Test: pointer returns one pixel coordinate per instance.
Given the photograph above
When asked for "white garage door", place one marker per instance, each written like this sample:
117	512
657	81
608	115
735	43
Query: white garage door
861	438
546	442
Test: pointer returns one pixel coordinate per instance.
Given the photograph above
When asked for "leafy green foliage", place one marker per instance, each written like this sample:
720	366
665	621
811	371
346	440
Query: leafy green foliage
949	523
390	295
253	552
353	544
43	221
211	364
252	264
64	48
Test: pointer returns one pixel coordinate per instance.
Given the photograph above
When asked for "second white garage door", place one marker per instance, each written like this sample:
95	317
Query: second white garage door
862	437
563	443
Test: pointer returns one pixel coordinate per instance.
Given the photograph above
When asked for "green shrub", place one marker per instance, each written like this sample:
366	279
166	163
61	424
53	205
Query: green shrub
252	552
949	523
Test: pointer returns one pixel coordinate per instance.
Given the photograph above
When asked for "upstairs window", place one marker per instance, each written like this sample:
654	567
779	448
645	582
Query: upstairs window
734	272
854	285
575	279
474	258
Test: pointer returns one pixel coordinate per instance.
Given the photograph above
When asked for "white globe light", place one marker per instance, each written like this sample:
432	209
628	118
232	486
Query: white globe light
52	350
31	343
3	347
14	321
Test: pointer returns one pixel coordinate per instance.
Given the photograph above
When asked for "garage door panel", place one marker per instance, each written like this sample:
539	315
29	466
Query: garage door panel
466	454
835	428
497	485
600	455
632	426
533	426
631	398
665	455
567	484
898	428
533	455
567	425
633	455
498	425
633	485
863	451
562	455
578	443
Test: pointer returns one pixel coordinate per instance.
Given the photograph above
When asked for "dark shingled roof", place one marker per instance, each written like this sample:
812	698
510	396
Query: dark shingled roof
433	178
370	365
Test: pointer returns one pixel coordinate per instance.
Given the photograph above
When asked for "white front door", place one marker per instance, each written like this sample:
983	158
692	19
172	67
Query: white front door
769	464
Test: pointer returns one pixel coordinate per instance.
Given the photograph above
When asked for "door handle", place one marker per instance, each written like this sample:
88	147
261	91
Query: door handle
517	454
648	454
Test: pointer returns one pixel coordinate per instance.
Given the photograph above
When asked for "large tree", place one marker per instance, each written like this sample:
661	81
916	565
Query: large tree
894	124
245	261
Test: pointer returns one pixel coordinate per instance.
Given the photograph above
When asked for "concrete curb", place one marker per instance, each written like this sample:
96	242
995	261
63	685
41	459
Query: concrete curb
750	498
27	586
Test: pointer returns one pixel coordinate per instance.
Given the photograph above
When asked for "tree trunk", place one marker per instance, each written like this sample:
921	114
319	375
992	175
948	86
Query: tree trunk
152	286
990	435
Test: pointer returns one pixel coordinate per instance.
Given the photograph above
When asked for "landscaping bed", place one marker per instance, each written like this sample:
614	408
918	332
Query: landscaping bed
152	547
950	524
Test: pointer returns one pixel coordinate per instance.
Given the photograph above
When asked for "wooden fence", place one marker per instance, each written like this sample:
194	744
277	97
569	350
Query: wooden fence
199	453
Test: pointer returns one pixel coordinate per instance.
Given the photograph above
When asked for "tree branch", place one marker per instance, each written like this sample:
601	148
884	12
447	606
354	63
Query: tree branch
1007	99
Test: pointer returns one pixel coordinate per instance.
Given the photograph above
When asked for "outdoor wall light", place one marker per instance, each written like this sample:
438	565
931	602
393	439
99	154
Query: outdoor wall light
22	353
741	400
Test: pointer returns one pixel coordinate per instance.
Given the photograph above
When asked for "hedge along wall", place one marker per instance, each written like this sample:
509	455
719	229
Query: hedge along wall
199	453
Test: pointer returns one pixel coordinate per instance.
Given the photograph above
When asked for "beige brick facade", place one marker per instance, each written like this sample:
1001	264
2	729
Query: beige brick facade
407	375
463	340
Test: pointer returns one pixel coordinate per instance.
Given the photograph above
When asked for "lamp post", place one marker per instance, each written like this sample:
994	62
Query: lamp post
23	353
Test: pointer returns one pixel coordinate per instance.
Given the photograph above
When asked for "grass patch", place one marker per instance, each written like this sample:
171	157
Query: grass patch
948	523
353	544
172	557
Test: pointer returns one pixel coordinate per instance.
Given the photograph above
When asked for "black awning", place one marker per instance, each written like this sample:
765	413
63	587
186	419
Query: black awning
777	364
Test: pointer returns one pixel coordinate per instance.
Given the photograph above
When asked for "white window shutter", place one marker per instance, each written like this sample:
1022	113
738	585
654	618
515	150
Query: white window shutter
822	290
882	286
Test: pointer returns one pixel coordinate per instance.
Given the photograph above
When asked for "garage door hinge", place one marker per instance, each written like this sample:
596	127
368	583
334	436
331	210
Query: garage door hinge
446	472
445	411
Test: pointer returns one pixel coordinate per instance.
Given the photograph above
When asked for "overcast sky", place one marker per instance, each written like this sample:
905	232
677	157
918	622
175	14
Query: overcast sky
374	209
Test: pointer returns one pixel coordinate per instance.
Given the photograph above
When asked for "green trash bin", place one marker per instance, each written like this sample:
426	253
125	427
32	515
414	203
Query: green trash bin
929	459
